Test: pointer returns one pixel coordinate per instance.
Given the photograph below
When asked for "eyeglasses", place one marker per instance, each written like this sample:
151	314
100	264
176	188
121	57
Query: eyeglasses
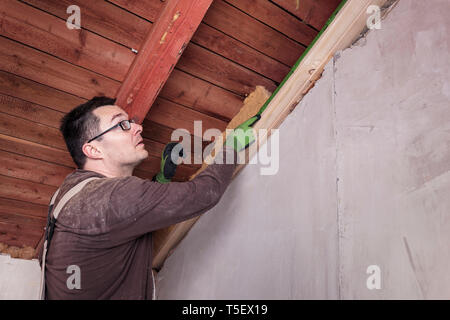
124	124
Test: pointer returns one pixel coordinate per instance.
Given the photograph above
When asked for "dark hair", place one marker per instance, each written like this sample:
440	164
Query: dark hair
80	125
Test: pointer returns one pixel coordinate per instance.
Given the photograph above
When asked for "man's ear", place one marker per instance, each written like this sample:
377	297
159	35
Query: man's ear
91	151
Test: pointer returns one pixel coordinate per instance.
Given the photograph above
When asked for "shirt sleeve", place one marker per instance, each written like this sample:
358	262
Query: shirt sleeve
139	206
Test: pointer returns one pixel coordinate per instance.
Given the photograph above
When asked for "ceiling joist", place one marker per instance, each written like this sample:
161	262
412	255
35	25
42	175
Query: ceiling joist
158	55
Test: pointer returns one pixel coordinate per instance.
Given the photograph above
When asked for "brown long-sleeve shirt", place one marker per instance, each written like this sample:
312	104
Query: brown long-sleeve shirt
106	230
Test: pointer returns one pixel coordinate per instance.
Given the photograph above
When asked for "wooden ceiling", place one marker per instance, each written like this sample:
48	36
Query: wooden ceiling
47	69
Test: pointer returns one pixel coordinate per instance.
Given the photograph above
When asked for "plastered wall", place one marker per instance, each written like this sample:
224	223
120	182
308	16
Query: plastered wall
19	278
363	182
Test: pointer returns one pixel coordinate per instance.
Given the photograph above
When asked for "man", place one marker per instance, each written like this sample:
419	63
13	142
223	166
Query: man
105	231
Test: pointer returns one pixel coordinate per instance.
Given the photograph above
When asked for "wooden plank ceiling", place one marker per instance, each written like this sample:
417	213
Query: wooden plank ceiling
47	69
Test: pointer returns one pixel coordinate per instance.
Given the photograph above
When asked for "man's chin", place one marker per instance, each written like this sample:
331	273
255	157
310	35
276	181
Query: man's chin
143	156
140	158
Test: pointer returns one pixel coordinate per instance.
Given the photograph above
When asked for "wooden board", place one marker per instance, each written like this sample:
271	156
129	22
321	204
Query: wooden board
257	35
103	18
31	131
200	95
149	9
177	116
28	191
50	34
30	111
274	16
34	92
158	55
341	33
28	63
17	234
23	208
222	72
156	131
22	167
35	150
312	12
240	53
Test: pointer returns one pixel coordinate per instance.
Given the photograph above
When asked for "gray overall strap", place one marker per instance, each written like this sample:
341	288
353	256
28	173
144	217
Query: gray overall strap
62	202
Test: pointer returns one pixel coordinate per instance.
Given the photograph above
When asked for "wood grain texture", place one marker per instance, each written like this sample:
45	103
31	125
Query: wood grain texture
272	15
23	208
149	9
28	63
222	72
103	18
50	34
158	55
201	95
34	92
240	53
19	234
35	150
33	192
259	36
312	12
31	131
22	167
30	111
155	131
174	115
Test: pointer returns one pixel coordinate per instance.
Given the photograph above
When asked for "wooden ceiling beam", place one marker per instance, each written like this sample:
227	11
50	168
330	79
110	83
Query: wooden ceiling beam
158	55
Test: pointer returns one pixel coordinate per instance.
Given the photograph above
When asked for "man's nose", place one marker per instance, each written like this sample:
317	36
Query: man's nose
137	128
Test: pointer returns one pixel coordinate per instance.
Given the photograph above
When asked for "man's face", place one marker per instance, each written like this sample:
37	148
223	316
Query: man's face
119	147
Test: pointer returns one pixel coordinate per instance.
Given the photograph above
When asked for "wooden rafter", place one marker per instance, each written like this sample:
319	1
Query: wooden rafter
341	33
158	55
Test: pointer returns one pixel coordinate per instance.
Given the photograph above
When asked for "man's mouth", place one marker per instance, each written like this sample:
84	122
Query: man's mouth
140	142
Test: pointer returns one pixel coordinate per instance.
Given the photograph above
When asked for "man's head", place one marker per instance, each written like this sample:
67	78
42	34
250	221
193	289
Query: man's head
117	148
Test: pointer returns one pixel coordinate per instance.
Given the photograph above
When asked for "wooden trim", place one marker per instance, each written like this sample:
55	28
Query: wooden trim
345	28
158	55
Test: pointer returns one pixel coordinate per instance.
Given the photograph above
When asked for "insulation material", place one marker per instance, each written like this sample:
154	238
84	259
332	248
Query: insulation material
15	252
252	104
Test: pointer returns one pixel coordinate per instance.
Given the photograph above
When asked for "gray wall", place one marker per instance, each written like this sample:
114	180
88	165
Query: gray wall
19	278
364	179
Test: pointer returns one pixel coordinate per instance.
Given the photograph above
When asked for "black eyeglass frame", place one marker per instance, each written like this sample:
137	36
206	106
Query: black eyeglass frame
122	124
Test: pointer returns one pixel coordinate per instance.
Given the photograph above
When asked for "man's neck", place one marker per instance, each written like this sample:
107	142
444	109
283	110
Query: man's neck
112	172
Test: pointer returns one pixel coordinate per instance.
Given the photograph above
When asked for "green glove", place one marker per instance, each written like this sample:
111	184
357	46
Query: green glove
242	136
168	163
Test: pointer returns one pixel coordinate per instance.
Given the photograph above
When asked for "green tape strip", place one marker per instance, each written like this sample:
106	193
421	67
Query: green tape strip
302	56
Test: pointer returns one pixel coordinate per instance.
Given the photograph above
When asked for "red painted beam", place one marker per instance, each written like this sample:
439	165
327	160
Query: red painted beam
159	53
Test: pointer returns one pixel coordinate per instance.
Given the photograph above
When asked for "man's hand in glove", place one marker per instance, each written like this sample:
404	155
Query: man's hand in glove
243	135
169	162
